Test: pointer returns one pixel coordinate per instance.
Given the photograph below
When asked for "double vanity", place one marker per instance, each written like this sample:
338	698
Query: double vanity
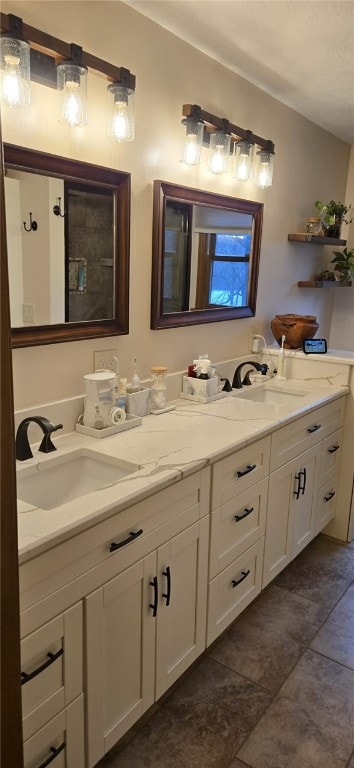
138	550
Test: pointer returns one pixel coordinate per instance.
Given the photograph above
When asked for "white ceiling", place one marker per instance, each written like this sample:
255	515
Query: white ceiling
299	51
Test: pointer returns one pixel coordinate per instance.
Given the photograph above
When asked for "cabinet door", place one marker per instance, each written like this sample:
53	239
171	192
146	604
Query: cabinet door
304	500
326	504
291	511
120	655
181	618
60	742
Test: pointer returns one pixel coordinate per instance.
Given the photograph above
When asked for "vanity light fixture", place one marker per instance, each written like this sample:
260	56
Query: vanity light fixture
65	67
223	137
219	149
193	144
243	159
14	65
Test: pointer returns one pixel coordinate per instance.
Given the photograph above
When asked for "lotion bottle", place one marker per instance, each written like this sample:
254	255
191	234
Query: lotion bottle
281	361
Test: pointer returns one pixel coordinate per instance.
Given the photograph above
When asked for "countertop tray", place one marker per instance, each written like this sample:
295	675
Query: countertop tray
129	423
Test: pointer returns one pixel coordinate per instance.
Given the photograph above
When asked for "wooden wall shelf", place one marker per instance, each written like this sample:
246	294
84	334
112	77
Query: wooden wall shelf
303	237
323	284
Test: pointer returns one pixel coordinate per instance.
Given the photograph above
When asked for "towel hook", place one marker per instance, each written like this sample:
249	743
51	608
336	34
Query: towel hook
32	224
57	209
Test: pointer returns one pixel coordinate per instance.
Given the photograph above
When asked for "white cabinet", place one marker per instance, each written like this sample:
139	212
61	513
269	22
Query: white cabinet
143	629
51	686
291	511
238	519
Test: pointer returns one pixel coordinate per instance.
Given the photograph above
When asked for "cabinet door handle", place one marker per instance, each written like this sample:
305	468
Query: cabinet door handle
52	657
298	489
303	487
236	582
249	468
133	535
314	428
334	448
55	752
247	511
167	595
153	605
329	496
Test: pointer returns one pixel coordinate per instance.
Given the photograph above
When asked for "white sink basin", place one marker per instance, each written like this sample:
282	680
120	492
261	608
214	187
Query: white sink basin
60	479
267	393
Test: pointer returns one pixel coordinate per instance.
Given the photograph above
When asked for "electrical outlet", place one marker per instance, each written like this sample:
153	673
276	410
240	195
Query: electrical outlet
105	359
252	333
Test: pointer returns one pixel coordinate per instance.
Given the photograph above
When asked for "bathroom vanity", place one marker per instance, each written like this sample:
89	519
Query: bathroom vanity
124	587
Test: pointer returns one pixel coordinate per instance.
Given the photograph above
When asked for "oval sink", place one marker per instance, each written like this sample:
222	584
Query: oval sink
267	393
60	479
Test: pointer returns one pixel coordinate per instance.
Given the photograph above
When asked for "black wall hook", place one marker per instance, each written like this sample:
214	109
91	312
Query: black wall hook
32	225
57	209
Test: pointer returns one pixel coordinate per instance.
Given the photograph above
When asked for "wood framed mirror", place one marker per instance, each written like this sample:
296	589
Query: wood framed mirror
68	227
205	259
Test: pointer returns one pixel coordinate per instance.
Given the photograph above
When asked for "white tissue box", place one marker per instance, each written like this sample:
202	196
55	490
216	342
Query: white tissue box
138	403
200	387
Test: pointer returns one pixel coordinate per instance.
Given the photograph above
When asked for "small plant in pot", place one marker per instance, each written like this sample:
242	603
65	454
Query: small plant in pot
343	264
333	215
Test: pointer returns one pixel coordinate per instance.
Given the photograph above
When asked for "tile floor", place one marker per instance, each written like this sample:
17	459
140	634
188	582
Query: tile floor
275	691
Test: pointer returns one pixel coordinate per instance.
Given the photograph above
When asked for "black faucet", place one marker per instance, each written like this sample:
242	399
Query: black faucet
236	382
23	450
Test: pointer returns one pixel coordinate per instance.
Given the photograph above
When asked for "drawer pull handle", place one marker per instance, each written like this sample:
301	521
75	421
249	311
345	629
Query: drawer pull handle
243	576
133	535
334	448
329	496
249	468
52	657
167	595
314	428
153	605
245	513
55	752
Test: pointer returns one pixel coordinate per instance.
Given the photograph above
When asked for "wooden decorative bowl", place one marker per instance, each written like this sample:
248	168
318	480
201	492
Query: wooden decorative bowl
295	328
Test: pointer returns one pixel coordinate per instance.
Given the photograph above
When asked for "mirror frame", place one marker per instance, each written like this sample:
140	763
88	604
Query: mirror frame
23	159
164	190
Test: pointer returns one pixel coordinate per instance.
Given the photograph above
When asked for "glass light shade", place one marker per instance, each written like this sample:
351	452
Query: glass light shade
219	152
243	160
121	124
15	72
72	92
193	144
264	168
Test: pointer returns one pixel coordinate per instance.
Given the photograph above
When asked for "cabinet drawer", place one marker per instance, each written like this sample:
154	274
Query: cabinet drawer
135	530
239	471
326	504
234	589
51	669
331	453
288	442
62	739
236	526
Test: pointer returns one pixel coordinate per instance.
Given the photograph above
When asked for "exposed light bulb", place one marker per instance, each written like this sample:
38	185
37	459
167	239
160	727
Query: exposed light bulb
191	153
10	82
243	160
71	86
15	72
121	121
217	160
219	152
193	144
264	174
72	110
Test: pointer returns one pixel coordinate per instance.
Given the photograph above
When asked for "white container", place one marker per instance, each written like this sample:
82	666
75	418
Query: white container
200	387
138	403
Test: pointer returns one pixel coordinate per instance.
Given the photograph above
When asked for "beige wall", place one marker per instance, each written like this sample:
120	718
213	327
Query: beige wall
342	326
310	164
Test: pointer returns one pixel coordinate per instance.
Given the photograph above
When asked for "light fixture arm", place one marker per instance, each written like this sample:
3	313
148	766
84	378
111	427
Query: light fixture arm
214	123
62	51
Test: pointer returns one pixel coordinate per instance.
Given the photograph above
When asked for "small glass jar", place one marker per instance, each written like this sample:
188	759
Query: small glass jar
313	226
158	391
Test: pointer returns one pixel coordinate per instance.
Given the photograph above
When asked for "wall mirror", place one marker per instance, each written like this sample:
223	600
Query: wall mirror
67	226
205	259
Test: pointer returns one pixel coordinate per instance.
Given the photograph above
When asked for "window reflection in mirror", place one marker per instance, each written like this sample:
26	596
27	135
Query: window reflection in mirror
69	276
205	256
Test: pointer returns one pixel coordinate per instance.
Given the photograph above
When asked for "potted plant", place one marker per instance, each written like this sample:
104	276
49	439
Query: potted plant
333	215
343	264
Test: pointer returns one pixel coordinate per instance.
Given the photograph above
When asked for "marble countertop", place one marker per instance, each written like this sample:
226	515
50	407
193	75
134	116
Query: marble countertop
166	448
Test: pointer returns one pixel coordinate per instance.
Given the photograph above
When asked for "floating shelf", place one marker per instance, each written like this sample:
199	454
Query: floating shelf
304	237
323	284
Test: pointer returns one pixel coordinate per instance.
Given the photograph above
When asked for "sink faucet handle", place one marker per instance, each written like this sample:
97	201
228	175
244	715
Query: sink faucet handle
46	445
